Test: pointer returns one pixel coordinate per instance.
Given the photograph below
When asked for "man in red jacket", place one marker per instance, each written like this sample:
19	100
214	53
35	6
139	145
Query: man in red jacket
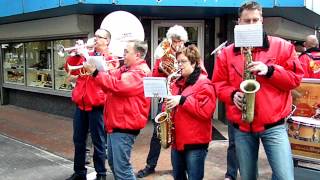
89	99
278	71
310	59
126	110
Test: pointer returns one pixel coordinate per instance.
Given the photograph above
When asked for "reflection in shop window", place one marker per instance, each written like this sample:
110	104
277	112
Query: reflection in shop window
13	64
38	60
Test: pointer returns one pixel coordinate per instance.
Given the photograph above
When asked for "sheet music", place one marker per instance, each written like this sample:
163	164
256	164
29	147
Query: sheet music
155	87
249	35
99	62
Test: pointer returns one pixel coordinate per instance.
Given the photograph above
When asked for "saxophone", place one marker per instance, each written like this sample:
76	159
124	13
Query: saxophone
249	86
164	122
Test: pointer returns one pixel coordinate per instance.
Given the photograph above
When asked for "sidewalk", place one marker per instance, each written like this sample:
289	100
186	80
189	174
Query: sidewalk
54	134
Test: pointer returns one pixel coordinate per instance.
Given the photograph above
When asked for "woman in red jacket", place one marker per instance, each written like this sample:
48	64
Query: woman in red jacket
193	104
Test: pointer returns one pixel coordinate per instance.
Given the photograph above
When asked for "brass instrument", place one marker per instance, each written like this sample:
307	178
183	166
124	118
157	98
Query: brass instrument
62	51
249	86
164	122
165	52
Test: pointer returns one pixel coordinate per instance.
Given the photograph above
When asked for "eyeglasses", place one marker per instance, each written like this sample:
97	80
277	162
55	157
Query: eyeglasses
183	61
100	37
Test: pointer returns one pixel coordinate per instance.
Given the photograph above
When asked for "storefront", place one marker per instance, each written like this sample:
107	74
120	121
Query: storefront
32	73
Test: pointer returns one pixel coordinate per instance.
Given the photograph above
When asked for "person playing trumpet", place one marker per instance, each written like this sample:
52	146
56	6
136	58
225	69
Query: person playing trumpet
278	70
193	103
126	110
89	99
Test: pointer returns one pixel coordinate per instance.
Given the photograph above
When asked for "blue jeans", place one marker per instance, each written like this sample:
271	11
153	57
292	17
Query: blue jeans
188	163
82	122
232	163
277	147
119	153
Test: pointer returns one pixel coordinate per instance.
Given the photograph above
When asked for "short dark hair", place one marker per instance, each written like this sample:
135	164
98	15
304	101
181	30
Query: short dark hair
141	47
250	5
192	53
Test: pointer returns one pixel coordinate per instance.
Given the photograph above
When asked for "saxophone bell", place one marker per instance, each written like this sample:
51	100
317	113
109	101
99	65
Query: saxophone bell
250	86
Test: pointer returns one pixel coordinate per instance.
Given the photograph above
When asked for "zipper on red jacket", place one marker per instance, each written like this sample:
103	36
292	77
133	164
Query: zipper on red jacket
84	93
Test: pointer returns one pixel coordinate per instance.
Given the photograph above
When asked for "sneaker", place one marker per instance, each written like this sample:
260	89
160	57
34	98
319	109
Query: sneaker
88	158
145	172
101	177
77	177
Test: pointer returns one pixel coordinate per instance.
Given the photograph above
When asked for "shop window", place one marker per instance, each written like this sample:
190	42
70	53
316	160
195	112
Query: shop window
38	61
62	80
13	64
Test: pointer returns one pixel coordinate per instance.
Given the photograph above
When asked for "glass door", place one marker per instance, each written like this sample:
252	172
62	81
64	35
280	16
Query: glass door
195	29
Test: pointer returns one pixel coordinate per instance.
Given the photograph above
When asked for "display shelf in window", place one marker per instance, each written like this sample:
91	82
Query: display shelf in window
62	80
39	67
13	64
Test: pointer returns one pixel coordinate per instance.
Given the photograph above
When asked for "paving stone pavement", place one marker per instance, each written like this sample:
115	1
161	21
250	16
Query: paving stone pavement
53	135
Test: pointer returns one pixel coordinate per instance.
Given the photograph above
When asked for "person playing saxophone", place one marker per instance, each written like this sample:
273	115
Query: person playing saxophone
192	106
278	71
164	66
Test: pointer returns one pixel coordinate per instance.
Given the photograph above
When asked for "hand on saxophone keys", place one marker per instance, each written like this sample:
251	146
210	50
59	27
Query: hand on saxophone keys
258	67
238	99
172	101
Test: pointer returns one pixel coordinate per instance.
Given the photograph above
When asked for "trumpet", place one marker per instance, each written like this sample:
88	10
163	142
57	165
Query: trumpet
79	45
79	67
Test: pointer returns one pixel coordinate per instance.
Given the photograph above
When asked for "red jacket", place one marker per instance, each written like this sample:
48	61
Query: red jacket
126	107
273	100
86	94
310	61
192	119
156	72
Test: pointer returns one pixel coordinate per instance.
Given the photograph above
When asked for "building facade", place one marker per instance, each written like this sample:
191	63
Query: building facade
32	74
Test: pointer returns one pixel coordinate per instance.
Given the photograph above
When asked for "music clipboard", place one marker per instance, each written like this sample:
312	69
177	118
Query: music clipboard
155	87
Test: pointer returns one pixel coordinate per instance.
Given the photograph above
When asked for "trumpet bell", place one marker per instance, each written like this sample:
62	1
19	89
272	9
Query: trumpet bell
60	49
73	68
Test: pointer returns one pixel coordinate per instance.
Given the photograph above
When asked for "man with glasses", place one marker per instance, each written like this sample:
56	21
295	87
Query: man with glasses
89	99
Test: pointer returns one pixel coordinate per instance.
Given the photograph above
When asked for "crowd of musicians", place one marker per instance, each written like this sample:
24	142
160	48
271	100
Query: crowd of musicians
111	104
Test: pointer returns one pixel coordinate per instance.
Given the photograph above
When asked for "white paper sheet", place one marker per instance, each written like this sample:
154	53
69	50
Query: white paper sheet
250	35
155	87
99	62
